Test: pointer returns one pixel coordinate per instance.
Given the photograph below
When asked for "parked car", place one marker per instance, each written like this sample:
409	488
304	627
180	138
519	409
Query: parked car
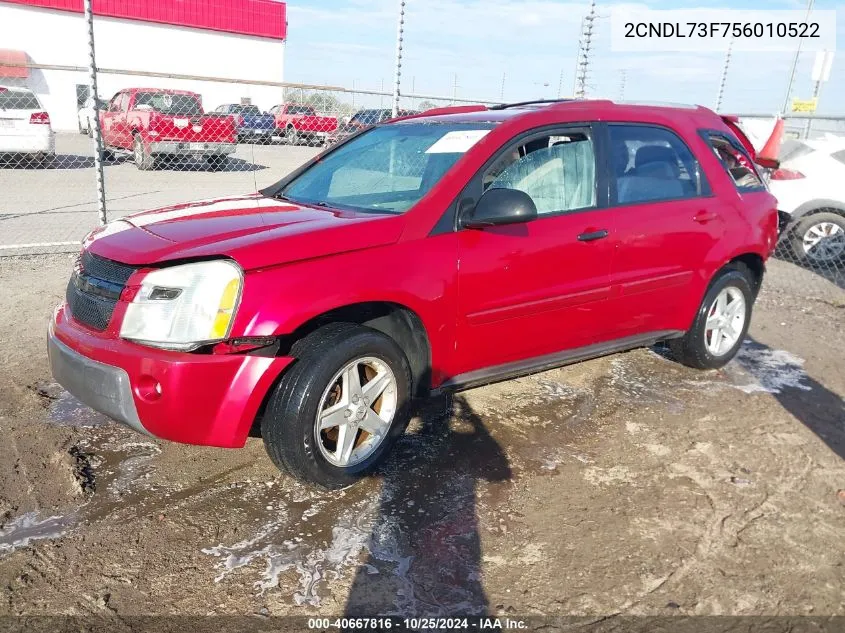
363	119
87	115
433	253
25	130
297	123
250	122
157	124
810	186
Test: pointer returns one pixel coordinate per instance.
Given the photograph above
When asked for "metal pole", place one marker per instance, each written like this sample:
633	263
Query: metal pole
724	77
816	90
455	86
622	77
502	94
95	124
785	107
397	79
560	84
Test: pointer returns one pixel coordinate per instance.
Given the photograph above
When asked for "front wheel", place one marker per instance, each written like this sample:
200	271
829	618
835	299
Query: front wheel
721	322
339	409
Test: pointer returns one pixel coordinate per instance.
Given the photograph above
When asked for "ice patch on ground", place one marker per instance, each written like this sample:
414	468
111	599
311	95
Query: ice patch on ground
27	528
312	562
772	370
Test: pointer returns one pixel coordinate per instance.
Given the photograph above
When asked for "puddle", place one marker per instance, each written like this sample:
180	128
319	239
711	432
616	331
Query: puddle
65	410
28	527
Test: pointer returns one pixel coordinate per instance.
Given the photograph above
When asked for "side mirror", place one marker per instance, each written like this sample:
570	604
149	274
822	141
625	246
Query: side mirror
498	207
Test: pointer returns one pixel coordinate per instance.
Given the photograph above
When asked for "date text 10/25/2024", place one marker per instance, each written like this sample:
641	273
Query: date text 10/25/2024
417	624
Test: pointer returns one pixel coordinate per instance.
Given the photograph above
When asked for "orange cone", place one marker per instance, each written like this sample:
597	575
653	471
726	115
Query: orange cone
772	147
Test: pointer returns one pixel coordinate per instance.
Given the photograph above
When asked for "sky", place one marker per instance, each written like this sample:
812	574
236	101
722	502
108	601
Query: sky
514	50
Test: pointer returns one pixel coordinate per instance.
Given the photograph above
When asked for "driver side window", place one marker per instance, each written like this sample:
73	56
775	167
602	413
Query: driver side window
557	171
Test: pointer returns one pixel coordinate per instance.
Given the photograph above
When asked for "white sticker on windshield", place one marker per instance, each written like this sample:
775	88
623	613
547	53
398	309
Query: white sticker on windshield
457	142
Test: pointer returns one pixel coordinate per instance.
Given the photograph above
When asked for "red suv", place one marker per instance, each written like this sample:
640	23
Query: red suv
437	252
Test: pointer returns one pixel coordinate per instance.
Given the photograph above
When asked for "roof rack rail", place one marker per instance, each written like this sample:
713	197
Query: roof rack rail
665	104
504	106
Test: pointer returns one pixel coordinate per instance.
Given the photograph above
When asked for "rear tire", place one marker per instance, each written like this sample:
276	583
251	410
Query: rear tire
291	136
297	409
144	160
718	330
818	239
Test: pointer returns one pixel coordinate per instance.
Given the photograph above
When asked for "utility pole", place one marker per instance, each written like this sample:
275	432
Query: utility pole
582	67
724	79
502	95
622	77
788	96
97	132
381	95
560	84
398	73
455	86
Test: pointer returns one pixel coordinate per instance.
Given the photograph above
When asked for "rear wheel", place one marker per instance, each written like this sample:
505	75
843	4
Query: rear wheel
721	323
339	409
291	136
144	160
819	239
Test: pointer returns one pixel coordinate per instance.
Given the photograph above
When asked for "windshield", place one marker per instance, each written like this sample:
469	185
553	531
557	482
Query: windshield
18	100
244	109
167	103
386	169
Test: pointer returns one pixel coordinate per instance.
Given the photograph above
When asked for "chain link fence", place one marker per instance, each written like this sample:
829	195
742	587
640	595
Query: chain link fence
139	140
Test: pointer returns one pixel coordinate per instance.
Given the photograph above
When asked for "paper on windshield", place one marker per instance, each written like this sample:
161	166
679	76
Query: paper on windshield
457	142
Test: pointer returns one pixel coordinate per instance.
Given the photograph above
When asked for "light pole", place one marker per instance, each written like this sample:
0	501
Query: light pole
398	75
785	108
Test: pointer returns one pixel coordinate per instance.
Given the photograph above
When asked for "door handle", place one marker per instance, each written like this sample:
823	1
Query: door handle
703	217
593	236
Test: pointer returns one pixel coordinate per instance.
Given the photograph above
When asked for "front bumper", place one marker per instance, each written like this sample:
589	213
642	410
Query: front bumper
186	148
204	399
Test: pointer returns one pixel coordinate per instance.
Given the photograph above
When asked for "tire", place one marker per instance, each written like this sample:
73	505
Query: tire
289	426
144	161
695	348
217	162
818	239
291	136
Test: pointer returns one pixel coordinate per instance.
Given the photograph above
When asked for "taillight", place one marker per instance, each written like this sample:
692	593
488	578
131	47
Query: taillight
40	118
786	174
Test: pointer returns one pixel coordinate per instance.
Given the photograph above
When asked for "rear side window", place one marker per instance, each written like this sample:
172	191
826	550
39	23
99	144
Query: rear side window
18	100
736	162
650	164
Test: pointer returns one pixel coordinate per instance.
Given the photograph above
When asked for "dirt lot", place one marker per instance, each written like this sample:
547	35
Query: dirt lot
626	485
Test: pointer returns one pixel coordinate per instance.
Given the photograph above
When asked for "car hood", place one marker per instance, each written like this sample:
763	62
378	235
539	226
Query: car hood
254	230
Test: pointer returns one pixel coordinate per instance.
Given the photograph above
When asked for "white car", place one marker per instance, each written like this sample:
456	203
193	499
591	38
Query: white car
810	186
86	116
25	130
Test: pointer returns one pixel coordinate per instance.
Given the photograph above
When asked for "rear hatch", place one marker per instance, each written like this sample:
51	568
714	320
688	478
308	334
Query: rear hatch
16	110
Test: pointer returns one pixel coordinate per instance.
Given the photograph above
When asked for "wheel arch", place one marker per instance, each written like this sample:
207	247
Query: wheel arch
754	262
395	320
818	205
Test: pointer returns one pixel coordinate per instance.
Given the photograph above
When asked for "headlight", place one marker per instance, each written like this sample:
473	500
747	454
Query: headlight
185	306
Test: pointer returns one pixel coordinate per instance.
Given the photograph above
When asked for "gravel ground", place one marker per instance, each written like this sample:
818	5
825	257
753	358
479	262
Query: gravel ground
628	485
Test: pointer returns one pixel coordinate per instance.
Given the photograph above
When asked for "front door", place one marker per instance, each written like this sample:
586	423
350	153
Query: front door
532	289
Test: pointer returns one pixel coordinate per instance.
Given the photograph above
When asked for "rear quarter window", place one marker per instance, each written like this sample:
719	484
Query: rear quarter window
735	161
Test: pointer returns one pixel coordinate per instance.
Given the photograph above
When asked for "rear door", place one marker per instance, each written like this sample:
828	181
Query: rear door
667	223
527	290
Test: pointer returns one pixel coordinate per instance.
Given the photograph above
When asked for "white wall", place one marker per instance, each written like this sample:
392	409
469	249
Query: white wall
60	37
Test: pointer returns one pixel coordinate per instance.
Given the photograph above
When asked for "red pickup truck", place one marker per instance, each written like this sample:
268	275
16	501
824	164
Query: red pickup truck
155	124
297	123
